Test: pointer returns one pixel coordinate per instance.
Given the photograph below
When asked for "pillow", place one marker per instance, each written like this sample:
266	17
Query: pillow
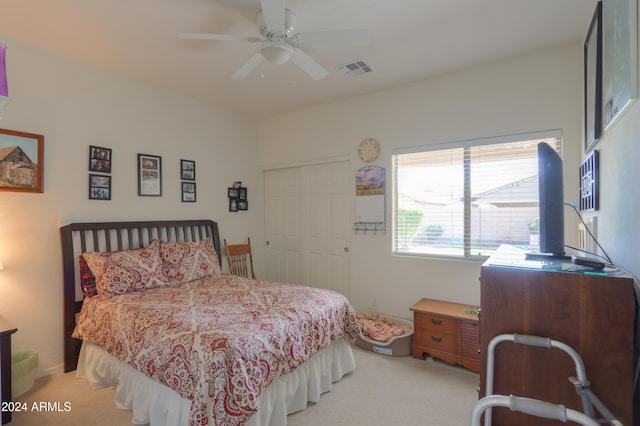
128	270
188	261
87	279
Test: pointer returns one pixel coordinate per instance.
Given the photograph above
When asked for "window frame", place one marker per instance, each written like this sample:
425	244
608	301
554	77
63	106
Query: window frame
555	134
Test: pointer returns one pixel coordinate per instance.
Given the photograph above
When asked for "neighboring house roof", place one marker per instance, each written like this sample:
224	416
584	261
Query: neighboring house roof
522	192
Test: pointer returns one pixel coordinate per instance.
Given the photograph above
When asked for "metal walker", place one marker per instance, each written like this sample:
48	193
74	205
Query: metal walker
542	408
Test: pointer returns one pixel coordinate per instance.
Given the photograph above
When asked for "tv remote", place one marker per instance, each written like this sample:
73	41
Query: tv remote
587	261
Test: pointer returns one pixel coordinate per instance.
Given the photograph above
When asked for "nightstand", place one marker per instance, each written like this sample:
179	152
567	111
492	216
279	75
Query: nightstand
6	330
445	331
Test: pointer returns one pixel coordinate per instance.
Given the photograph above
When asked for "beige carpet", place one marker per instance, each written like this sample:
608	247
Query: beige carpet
382	390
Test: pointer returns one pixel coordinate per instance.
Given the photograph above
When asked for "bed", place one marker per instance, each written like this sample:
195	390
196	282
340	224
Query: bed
148	311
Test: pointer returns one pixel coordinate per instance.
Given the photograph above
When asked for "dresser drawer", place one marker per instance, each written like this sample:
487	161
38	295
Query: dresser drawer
440	341
438	323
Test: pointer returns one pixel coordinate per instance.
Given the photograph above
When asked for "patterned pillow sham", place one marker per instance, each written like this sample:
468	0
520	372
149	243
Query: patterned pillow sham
188	261
87	279
128	270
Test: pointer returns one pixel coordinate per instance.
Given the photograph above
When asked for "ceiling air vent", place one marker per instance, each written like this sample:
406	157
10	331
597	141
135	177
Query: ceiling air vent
358	67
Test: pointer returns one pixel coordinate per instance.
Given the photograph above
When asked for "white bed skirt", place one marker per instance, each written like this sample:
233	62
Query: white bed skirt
156	404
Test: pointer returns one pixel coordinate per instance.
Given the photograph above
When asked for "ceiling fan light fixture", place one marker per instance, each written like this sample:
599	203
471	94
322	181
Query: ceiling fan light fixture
277	52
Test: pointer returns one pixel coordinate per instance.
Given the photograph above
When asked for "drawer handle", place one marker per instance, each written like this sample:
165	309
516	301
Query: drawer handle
436	339
436	321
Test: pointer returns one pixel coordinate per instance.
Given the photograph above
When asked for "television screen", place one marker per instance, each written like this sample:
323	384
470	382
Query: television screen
551	201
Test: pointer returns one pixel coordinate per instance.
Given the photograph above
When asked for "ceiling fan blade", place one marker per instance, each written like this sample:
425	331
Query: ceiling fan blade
228	37
249	66
273	12
308	65
343	37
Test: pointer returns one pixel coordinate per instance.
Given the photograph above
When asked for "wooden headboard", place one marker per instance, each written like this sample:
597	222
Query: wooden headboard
78	238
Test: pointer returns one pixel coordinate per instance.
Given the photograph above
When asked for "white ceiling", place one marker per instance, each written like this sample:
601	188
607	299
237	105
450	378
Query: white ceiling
408	41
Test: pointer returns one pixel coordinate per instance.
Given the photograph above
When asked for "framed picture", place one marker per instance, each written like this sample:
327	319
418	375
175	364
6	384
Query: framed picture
242	194
593	81
233	204
232	192
619	58
99	159
21	161
188	192
149	175
243	205
187	170
99	187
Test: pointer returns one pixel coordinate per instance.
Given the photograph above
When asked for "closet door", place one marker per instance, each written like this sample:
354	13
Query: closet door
308	215
283	228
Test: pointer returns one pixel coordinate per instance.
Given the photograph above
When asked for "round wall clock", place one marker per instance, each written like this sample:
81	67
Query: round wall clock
369	150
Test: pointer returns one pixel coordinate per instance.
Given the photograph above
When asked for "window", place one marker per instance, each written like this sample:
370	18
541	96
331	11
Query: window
465	199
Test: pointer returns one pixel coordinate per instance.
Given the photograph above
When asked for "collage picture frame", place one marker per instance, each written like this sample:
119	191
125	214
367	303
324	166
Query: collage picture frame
238	197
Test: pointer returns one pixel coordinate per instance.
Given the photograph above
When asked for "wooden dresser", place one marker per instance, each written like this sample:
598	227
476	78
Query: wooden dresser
6	330
593	313
445	331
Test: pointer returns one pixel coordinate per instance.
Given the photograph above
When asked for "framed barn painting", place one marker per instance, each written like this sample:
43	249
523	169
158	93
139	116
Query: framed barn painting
21	161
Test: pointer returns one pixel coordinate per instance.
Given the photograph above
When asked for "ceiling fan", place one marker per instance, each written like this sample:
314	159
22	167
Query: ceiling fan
277	26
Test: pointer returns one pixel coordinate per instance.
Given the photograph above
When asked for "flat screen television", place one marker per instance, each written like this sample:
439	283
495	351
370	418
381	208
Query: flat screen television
551	202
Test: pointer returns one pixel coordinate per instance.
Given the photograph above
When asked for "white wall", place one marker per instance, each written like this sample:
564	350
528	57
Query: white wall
75	105
618	223
530	93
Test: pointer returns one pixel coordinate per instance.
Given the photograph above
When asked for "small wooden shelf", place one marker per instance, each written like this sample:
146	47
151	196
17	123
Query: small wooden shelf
445	331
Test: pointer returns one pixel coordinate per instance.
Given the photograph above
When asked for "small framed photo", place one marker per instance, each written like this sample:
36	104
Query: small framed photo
149	175
233	204
99	159
99	187
243	205
232	192
187	170
188	192
242	194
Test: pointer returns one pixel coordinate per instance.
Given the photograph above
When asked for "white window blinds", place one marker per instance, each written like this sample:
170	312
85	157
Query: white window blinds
465	199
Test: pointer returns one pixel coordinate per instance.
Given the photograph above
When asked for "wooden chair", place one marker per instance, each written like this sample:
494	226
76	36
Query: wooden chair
240	259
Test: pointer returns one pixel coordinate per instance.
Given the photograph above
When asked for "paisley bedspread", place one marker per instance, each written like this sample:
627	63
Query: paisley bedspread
217	341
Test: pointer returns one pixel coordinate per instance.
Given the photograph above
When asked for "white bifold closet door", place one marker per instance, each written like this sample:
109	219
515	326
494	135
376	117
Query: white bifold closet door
308	225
